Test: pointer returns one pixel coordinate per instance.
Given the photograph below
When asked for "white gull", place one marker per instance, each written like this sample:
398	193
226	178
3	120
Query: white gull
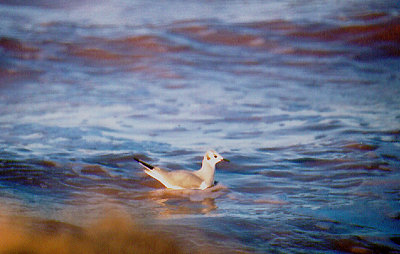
186	179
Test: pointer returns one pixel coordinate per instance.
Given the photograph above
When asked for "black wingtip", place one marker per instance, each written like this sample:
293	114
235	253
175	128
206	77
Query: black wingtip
147	165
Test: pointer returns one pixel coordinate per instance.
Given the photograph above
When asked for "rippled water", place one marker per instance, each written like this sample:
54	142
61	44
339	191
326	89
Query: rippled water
302	96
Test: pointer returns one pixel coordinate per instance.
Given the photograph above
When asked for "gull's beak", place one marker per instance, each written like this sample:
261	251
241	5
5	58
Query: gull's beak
226	160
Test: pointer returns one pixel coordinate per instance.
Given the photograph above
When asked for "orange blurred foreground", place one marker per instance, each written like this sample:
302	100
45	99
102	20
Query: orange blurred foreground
115	233
22	235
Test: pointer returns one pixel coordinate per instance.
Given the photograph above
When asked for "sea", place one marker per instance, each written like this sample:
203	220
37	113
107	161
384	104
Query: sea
303	98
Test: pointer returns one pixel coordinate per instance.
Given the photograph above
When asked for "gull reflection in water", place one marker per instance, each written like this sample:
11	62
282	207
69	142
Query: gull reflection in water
187	201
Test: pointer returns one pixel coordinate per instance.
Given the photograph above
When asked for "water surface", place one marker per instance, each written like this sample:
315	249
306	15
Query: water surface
303	97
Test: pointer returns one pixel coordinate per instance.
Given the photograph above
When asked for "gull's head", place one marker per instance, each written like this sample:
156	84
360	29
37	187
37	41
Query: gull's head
212	157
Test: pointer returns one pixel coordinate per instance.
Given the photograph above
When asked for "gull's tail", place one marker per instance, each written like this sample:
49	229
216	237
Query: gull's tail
156	173
144	164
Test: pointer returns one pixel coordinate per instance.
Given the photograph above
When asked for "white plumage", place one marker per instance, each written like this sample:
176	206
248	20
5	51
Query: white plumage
186	179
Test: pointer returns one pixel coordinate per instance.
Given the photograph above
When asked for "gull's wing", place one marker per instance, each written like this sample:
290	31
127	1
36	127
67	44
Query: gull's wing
144	164
178	179
185	179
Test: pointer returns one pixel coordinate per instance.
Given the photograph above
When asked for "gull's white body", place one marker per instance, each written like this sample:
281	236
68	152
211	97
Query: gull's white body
186	179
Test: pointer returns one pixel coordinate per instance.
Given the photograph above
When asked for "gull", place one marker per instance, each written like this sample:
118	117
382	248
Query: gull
186	179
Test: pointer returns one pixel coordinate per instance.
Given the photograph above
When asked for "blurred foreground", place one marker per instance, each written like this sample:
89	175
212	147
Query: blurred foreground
115	233
24	235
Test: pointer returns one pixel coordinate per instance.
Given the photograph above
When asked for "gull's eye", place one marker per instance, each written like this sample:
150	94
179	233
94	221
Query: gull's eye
215	156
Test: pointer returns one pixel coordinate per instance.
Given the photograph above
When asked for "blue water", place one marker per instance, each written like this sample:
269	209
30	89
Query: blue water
302	96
